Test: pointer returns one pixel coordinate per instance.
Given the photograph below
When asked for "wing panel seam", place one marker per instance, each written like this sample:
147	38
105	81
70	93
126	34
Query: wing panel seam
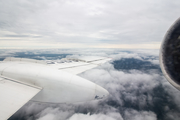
6	78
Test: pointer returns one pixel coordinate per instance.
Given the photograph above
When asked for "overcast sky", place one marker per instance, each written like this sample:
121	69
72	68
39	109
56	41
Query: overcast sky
85	23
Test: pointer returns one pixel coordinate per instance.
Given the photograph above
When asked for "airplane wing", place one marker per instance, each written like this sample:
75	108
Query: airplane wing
78	65
74	65
14	94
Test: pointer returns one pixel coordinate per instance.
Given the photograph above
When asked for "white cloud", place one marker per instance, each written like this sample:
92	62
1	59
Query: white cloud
126	55
134	94
111	116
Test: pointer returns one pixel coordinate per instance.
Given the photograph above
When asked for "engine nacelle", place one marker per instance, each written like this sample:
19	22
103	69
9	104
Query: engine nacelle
170	55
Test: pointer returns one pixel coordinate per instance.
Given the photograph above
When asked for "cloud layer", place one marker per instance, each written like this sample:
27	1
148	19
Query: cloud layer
136	93
82	24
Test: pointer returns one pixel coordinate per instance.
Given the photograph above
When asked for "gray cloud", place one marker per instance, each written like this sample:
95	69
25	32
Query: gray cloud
88	22
136	115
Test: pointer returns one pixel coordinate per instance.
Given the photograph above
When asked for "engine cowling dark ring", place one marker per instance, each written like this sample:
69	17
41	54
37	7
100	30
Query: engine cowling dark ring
170	54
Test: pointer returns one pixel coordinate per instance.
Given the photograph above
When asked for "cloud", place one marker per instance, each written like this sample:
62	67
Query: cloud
110	116
142	115
47	117
69	24
135	94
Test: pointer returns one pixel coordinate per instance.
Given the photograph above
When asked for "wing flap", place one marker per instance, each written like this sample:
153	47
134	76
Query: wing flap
13	95
101	61
78	69
79	65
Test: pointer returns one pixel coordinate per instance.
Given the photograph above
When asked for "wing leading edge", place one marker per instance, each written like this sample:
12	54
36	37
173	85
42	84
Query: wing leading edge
14	94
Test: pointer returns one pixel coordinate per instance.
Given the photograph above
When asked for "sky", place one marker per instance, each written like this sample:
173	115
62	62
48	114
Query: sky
136	24
138	90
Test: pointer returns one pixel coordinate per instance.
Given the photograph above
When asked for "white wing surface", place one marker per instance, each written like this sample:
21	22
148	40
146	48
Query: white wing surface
72	65
76	66
14	94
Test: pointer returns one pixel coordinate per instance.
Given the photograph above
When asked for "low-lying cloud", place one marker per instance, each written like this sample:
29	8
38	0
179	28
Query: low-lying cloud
135	93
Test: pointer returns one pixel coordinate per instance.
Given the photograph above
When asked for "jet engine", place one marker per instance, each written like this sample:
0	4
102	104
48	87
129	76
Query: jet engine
170	55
